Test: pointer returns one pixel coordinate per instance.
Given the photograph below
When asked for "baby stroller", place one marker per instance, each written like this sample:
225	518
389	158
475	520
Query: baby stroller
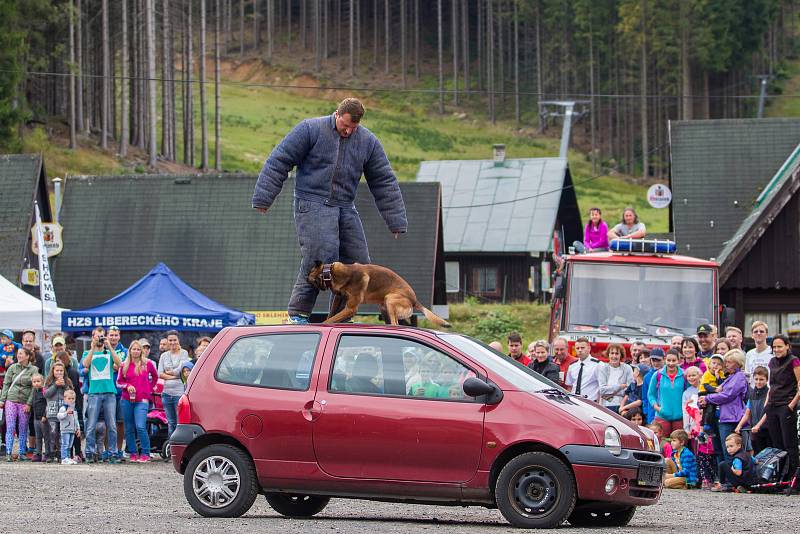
157	427
771	467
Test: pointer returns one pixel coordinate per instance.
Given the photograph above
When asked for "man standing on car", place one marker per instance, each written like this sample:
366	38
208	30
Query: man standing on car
330	153
582	374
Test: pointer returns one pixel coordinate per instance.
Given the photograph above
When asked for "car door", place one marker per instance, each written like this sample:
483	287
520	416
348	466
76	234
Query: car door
392	408
268	378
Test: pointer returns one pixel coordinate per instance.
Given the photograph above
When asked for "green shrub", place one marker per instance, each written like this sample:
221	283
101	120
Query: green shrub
496	325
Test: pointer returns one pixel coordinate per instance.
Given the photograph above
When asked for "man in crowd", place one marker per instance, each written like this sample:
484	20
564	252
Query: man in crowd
515	349
163	345
122	352
145	343
200	347
582	374
331	153
656	364
59	344
761	354
706	337
636	349
562	358
735	337
676	343
102	364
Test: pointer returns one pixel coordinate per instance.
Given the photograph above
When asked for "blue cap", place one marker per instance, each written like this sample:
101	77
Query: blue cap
643	368
657	352
8	333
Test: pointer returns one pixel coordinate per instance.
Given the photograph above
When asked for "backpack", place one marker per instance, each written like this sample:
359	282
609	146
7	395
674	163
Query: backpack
771	465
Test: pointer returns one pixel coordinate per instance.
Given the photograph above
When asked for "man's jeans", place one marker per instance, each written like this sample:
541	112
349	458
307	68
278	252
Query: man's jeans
108	403
326	234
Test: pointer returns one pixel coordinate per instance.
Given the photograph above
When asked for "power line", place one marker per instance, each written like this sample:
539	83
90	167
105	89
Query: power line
432	91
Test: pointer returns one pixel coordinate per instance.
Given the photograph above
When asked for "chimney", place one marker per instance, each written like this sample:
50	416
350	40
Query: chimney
499	155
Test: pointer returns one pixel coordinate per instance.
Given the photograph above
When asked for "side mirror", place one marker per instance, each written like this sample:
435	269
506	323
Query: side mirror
475	387
728	318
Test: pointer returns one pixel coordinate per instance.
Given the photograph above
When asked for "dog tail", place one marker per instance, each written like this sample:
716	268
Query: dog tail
432	317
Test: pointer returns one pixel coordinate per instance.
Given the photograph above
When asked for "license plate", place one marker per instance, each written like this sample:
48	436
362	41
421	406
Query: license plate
650	475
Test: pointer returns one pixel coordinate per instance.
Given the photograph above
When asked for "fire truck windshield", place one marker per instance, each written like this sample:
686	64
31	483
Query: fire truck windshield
627	298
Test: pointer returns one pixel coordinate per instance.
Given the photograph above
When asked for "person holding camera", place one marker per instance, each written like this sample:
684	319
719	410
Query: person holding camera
101	362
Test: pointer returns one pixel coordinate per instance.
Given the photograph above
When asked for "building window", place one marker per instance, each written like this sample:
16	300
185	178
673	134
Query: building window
452	276
486	281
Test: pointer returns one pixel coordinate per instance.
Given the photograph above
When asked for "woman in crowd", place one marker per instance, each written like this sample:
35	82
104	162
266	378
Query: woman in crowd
665	394
137	378
730	397
17	398
614	377
169	370
784	394
542	363
690	351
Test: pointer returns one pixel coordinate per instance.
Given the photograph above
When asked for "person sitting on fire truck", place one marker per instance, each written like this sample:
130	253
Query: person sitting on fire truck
629	227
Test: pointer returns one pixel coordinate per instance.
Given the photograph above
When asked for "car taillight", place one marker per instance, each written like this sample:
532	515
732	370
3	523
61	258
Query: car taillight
184	411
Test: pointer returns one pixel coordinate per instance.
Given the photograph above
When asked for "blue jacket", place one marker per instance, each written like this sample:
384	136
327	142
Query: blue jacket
329	168
647	410
667	394
688	465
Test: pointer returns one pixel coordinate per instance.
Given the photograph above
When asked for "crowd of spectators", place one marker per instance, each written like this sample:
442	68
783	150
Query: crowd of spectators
713	406
61	407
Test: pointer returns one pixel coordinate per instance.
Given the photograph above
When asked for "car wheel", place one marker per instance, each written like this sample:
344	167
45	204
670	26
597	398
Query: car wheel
535	490
165	451
220	481
294	505
618	518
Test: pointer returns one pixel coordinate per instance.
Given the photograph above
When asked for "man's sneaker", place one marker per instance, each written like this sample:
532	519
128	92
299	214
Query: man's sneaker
113	460
144	458
2	449
9	458
92	459
298	319
134	457
66	461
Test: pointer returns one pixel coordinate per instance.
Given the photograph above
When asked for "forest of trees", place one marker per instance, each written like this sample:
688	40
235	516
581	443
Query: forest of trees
129	71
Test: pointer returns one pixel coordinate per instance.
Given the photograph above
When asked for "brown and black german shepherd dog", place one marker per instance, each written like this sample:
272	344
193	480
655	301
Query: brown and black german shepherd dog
354	284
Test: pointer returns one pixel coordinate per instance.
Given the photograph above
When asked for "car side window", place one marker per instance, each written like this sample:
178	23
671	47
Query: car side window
373	365
278	361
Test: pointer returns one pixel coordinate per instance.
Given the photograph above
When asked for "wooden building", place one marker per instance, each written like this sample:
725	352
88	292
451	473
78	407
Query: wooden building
500	220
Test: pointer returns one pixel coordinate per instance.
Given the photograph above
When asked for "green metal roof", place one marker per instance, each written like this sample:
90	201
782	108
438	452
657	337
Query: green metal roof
720	168
116	228
506	208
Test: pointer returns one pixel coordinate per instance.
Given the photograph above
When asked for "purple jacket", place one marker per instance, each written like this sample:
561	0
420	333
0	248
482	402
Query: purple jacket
594	238
731	399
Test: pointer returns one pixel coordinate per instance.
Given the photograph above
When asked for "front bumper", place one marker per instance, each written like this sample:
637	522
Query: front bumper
594	466
183	436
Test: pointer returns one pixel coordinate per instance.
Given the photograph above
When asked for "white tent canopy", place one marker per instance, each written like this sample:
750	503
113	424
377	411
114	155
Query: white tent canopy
22	311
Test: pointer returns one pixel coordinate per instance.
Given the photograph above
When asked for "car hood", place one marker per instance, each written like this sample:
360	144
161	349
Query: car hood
598	419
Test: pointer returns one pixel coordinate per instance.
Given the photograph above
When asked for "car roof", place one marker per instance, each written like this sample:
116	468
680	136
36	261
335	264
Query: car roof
649	259
316	327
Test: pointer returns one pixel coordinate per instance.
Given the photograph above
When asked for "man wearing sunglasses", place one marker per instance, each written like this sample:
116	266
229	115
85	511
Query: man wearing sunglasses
762	353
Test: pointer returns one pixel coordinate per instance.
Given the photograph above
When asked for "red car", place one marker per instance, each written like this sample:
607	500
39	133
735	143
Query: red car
306	413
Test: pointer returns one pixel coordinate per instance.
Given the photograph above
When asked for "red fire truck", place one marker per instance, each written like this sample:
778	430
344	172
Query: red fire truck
623	297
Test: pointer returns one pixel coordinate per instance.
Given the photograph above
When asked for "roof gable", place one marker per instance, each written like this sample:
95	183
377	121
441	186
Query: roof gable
718	169
490	208
22	177
116	228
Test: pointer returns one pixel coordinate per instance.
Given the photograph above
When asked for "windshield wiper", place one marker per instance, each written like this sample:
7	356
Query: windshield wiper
639	329
596	327
668	327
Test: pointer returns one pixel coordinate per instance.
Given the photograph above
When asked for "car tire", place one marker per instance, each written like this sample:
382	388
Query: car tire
618	518
535	490
296	505
220	481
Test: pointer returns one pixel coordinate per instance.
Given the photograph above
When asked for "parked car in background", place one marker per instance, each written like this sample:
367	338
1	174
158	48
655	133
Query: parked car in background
305	413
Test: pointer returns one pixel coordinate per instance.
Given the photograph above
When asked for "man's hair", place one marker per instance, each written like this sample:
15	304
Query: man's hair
761	371
31	332
733	329
201	339
582	340
99	330
353	106
756	324
680	435
514	337
734	437
172	333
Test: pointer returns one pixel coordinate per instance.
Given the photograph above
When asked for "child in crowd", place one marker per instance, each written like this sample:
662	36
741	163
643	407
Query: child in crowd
56	384
693	425
740	472
70	427
710	383
755	414
663	441
39	414
635	416
633	394
681	465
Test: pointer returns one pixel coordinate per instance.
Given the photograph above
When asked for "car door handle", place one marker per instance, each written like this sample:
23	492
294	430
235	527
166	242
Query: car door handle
312	410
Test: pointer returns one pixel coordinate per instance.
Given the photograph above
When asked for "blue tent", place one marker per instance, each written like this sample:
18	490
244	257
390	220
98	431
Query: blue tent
159	301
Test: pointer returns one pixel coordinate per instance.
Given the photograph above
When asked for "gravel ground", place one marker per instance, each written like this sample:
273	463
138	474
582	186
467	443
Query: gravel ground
149	498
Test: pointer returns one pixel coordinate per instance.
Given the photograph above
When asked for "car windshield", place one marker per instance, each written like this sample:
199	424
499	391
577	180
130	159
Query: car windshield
645	298
516	374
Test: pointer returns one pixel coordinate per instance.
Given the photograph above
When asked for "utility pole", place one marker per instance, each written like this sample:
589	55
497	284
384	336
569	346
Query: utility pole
763	79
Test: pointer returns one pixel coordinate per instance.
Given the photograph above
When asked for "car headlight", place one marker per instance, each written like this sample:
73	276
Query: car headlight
612	441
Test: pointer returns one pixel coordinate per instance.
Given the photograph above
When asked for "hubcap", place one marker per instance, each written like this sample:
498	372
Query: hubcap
216	482
534	491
